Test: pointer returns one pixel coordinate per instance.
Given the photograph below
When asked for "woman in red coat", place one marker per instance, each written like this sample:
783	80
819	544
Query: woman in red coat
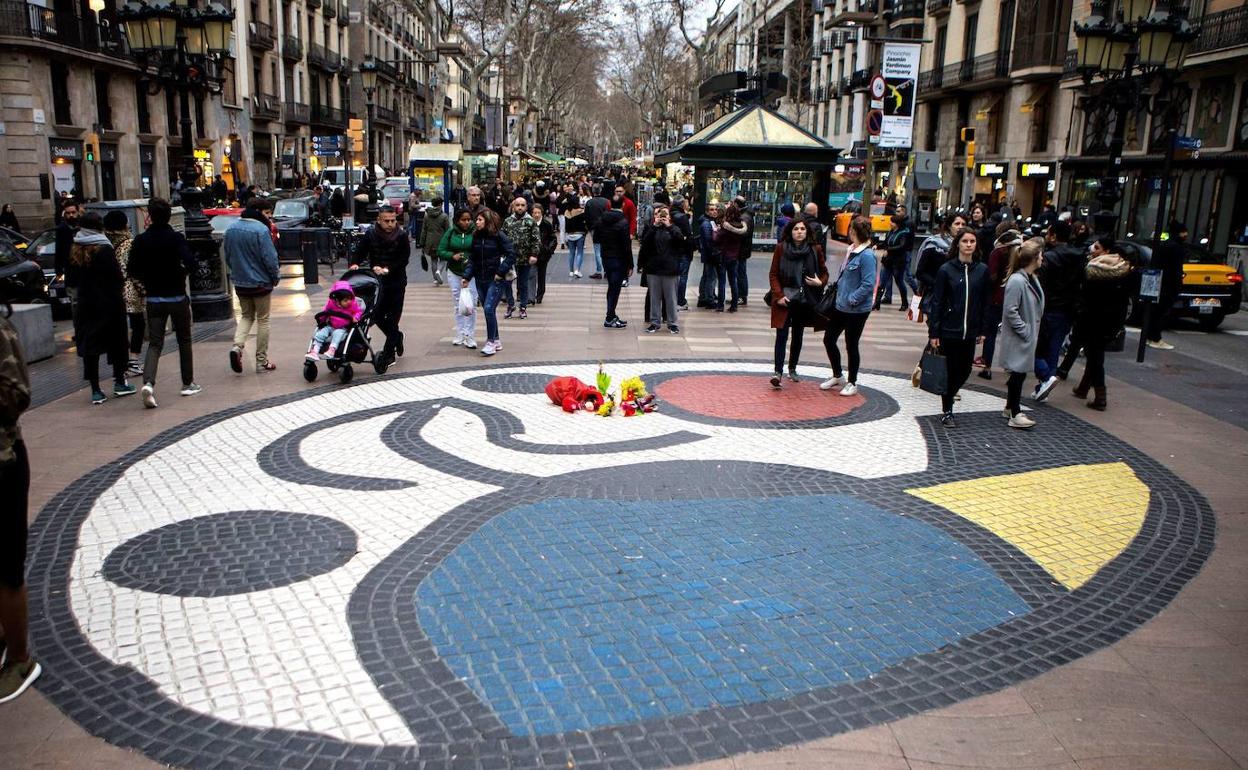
796	262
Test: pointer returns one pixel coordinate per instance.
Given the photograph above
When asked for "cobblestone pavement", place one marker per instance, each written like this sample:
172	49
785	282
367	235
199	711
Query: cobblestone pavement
439	568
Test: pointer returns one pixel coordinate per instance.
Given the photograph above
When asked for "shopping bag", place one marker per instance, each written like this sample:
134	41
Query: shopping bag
424	262
935	376
465	302
825	308
915	313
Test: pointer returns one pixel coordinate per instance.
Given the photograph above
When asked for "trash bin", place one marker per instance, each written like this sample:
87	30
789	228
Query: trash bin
288	245
314	243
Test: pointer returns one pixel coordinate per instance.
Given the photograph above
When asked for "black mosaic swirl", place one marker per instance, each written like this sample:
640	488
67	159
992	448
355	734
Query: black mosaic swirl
516	383
124	707
231	553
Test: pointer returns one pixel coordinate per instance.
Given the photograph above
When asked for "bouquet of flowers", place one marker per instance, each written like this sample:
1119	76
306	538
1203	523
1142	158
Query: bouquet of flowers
633	398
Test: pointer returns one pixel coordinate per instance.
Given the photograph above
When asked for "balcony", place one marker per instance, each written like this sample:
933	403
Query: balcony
386	70
298	113
856	11
344	14
260	36
266	107
990	68
314	4
318	56
1224	29
1039	54
386	115
37	23
938	7
860	80
416	123
330	10
899	13
292	48
331	117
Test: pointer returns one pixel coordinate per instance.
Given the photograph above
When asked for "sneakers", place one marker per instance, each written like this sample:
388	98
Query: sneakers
850	390
946	420
829	384
498	345
683	307
775	380
190	390
523	314
625	284
470	343
134	368
98	397
313	356
149	395
124	389
510	312
1160	345
571	273
1021	421
614	323
793	376
578	274
985	374
236	359
1007	414
15	678
459	340
674	329
489	349
1045	388
596	276
652	328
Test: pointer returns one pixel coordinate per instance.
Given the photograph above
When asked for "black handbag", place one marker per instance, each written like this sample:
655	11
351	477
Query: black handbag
935	376
825	308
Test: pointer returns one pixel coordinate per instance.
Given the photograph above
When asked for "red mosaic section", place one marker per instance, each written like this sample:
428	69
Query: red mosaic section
751	398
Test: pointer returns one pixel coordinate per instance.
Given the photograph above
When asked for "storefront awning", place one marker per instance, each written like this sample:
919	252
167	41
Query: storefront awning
1038	94
753	136
551	157
989	107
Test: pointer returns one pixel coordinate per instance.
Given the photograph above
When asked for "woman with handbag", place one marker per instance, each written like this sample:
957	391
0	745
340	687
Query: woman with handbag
1106	289
957	314
1022	306
491	264
797	270
855	295
453	249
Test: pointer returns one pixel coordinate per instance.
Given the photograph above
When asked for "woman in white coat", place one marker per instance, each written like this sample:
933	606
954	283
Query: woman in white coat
1020	325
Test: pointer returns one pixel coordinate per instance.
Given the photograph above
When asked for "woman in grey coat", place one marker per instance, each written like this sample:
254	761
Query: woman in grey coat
1020	325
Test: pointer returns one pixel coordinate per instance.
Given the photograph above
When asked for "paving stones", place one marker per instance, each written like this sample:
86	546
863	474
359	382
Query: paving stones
436	569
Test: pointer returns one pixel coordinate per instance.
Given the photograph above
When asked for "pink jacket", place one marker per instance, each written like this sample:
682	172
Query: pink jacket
355	308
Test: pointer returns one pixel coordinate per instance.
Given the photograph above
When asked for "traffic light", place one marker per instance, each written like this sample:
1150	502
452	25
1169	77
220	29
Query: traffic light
970	154
90	153
355	131
93	141
968	135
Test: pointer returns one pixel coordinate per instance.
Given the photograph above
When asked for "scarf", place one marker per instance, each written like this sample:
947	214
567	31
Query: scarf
390	237
91	238
1107	267
793	263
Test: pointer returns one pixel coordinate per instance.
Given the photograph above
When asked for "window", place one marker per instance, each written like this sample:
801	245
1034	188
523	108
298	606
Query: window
942	38
200	129
968	40
229	88
60	93
140	103
103	105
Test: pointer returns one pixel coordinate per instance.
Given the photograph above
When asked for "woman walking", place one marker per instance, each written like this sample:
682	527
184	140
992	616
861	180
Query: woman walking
854	297
490	258
1106	290
956	317
117	228
453	249
574	229
1021	308
998	271
933	253
795	263
729	239
101	327
547	238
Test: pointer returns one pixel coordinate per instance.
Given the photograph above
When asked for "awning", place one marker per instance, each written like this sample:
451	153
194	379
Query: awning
993	101
753	137
550	157
1038	94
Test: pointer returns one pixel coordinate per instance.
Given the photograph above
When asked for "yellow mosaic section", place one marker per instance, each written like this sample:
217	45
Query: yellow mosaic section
1071	521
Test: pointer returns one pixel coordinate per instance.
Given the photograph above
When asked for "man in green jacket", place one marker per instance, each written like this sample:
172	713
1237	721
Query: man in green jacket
436	224
523	233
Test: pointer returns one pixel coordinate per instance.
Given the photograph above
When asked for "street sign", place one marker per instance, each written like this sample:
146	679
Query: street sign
877	87
875	121
877	104
1186	143
437	122
1150	284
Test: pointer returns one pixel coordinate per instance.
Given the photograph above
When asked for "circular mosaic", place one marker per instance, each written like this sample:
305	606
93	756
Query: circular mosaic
445	569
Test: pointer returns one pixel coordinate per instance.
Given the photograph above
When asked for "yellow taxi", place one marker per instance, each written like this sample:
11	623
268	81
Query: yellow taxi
1211	290
880	221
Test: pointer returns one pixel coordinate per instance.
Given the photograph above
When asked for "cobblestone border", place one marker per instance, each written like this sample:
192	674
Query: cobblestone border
125	708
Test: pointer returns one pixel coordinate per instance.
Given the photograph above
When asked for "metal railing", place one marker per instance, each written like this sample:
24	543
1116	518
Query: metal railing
860	79
266	107
344	14
904	10
1223	29
328	116
989	66
260	35
298	112
314	3
386	115
1040	49
318	56
25	20
330	10
292	48
938	6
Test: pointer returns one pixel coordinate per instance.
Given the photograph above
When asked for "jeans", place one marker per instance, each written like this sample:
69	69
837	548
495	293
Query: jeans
388	314
852	324
889	276
681	299
576	252
1054	327
1014	391
254	311
795	350
330	335
138	327
523	271
616	273
663	298
726	272
159	314
492	290
706	286
597	256
958	355
994	313
465	325
743	279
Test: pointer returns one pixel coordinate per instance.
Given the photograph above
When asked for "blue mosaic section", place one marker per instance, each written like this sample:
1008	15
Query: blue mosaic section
574	614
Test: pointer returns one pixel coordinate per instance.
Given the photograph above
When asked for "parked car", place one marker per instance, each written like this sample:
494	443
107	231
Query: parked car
1211	289
394	191
292	212
18	240
42	251
21	279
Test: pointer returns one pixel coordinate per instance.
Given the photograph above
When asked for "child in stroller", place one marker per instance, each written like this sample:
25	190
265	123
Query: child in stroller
341	312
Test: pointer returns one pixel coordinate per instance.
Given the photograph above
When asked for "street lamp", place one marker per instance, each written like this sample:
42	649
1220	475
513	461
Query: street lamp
181	47
368	78
1126	54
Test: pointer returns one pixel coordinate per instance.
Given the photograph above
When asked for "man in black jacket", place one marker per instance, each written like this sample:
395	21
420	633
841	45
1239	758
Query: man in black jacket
161	260
65	231
617	259
1061	277
680	218
387	250
1168	258
662	251
595	207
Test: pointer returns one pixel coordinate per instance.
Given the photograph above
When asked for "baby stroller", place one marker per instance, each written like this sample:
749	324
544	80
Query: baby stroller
356	347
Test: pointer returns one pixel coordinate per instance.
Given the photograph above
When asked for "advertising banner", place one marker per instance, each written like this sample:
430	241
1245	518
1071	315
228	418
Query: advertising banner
901	76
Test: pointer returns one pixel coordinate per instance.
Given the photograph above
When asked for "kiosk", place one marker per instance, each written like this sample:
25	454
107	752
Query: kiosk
431	168
762	155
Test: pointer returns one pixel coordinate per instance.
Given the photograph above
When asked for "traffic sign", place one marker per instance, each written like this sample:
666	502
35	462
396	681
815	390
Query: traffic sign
877	87
875	122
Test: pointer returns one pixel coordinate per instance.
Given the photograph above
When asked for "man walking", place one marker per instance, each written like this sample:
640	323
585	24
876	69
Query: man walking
520	228
595	207
252	259
1061	278
65	270
436	224
617	260
747	248
387	250
160	259
1169	258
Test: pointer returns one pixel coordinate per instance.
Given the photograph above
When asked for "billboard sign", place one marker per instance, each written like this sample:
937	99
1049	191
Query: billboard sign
901	78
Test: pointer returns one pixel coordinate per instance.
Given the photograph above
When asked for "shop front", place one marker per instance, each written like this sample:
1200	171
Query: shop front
1035	186
108	171
66	167
432	169
989	183
482	168
762	156
262	166
147	170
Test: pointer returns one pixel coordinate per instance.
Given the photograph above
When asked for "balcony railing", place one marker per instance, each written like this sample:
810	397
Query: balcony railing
961	74
935	7
1223	29
298	112
386	115
904	12
386	69
32	21
318	56
331	9
266	107
859	80
328	116
292	48
1041	49
344	14
314	3
260	35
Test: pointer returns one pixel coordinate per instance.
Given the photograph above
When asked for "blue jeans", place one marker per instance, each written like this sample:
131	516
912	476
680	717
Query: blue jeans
1054	327
597	256
706	286
492	291
522	283
899	274
576	253
329	334
684	282
743	280
726	272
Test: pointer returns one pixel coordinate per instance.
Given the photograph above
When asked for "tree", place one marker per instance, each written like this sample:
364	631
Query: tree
491	39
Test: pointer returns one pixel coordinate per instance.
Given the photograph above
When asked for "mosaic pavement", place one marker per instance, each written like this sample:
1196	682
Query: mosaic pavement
445	568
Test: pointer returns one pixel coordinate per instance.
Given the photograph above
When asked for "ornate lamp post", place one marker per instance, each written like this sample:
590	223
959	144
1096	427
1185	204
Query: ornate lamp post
181	46
368	78
1127	54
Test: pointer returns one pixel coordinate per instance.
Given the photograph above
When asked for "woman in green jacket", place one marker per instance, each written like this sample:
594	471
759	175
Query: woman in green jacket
453	249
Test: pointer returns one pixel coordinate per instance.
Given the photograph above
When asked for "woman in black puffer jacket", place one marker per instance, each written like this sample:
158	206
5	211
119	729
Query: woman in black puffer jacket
490	260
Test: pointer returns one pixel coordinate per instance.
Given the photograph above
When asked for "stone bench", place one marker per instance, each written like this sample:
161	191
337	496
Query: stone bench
34	330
